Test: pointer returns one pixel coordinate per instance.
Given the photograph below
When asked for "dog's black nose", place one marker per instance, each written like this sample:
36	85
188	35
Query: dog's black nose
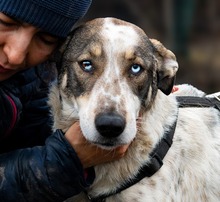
110	124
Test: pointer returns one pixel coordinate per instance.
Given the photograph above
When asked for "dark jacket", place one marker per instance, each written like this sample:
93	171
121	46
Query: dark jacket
24	113
30	169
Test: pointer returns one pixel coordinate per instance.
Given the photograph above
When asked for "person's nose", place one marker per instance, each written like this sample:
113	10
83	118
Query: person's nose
17	47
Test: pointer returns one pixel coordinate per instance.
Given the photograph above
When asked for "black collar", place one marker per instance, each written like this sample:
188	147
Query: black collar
149	168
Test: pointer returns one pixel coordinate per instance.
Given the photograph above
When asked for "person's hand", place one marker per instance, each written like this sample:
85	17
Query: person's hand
89	154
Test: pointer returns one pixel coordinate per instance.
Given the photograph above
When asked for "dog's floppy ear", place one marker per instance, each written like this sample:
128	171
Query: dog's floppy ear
167	67
57	55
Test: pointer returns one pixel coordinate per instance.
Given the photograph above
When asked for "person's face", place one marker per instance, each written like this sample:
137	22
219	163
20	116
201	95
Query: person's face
22	46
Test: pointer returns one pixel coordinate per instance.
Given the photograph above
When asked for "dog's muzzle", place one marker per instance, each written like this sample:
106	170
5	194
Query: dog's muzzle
110	125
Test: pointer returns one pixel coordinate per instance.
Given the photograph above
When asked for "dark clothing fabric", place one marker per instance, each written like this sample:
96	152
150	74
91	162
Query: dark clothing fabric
24	115
45	173
30	169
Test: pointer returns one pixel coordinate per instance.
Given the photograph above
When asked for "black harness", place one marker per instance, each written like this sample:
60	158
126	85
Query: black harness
191	101
162	147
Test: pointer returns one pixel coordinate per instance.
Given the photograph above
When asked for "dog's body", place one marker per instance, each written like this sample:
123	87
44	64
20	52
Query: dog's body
115	81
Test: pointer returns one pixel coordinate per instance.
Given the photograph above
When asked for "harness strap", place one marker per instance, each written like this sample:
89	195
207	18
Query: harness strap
191	101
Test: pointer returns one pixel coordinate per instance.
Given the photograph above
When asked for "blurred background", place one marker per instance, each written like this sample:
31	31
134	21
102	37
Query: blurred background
189	28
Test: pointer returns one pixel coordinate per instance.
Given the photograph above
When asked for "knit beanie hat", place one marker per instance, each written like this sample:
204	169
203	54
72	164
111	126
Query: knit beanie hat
56	17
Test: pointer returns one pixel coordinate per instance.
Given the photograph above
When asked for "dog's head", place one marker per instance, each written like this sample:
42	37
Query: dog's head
110	71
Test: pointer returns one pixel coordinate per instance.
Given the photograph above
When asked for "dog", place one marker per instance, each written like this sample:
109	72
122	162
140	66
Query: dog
117	82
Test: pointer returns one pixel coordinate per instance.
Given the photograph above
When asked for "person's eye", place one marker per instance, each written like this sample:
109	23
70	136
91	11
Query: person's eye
47	39
136	69
7	24
86	66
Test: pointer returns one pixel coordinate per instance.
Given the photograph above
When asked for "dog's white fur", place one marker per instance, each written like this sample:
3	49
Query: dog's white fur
191	169
188	90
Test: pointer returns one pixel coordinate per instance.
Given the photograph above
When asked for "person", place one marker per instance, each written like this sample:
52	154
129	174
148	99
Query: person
37	164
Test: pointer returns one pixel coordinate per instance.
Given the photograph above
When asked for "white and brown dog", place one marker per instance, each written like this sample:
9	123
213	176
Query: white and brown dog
116	82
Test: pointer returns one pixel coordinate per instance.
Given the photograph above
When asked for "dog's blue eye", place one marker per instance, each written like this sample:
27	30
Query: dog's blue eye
86	66
136	69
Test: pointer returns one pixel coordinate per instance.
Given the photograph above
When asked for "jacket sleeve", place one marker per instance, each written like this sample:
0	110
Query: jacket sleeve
10	108
45	173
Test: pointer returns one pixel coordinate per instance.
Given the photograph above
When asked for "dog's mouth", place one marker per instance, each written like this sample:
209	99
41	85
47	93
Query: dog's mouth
110	144
106	145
